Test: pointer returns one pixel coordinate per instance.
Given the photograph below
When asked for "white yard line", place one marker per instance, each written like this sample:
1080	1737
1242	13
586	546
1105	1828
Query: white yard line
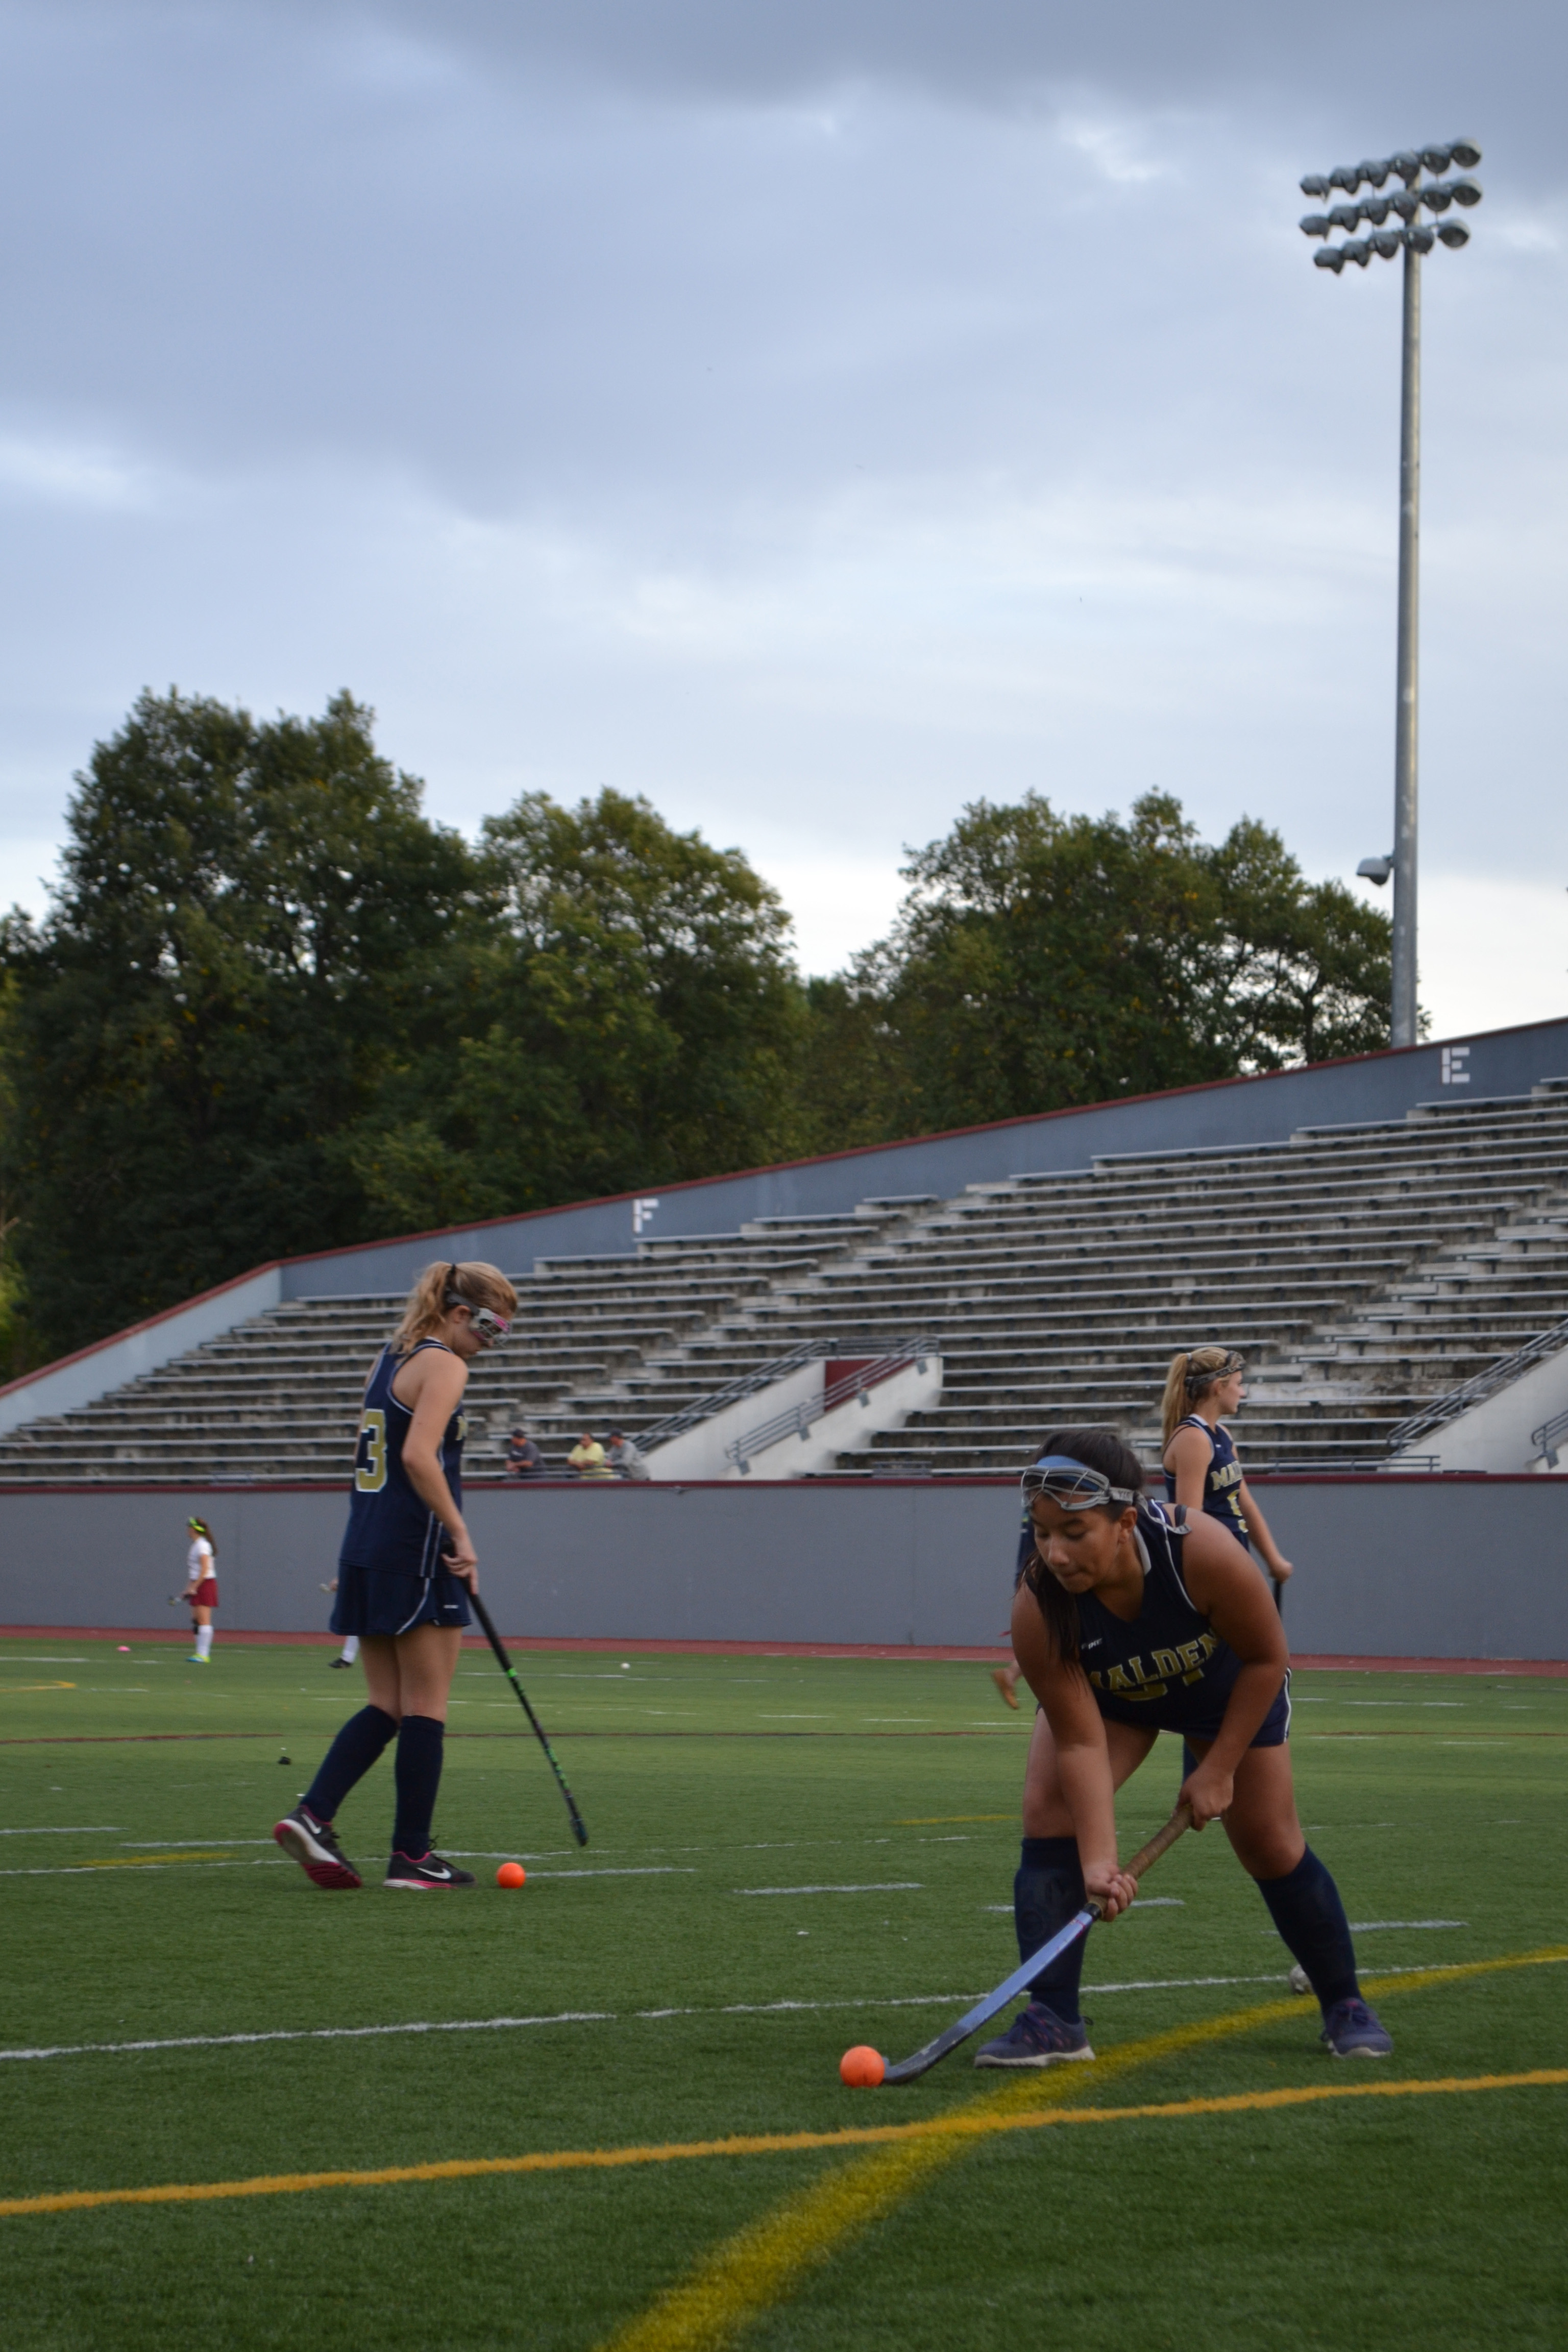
608	2017
1375	1927
89	1829
881	1886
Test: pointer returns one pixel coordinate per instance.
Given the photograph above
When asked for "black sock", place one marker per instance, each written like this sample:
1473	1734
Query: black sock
419	1778
348	1760
1047	1892
1306	1908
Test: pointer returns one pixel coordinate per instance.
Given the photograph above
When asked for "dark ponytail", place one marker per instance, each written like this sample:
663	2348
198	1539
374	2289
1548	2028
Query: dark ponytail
1097	1449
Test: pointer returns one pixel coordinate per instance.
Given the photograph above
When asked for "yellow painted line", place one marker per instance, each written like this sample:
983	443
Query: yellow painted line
937	1820
967	2125
151	1861
1016	2107
761	2264
36	1687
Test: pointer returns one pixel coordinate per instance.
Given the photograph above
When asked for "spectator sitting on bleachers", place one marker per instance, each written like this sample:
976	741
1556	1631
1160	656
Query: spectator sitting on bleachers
523	1458
586	1458
627	1459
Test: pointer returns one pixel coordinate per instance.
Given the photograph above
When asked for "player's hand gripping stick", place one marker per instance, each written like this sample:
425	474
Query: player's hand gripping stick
907	2070
578	1831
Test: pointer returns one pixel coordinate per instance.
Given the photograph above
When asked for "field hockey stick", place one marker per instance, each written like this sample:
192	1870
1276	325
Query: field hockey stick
504	1663
909	2070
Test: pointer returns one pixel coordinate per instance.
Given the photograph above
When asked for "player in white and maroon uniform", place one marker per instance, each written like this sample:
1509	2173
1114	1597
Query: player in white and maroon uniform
200	1590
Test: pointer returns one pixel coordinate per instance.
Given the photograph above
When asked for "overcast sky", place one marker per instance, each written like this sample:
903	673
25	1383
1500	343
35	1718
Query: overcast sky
812	417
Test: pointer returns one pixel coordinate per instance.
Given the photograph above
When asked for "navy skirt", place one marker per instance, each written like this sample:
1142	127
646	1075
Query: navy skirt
386	1601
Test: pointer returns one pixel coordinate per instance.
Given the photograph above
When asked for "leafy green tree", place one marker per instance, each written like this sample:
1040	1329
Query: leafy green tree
1041	960
252	919
634	1019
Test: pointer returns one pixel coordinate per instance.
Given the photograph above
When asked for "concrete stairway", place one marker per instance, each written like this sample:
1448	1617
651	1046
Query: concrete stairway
1362	1270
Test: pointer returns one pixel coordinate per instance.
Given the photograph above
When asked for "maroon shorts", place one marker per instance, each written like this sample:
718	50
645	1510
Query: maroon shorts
206	1595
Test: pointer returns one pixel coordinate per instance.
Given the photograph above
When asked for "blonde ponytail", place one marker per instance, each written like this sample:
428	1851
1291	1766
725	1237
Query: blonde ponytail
473	1281
1192	1373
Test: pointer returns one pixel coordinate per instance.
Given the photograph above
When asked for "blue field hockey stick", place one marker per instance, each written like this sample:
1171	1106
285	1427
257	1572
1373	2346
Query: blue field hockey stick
578	1829
909	2070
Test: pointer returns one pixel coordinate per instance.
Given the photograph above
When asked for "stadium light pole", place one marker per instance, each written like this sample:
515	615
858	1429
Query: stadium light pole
1413	237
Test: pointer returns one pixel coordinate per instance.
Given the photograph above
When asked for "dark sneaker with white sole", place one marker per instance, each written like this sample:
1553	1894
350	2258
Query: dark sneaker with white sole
1037	2037
1352	2031
314	1846
429	1872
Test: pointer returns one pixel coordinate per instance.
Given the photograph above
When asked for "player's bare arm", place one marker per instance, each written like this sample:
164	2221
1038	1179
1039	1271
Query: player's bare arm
1227	1588
1273	1559
1083	1756
1187	1458
433	1382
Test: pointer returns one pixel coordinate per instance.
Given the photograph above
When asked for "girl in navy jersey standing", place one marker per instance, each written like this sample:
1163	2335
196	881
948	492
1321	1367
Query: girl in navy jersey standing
1135	1619
1203	1389
406	1569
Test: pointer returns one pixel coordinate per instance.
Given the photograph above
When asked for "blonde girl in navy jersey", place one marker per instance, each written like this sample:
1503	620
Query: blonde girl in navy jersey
1135	1618
406	1569
1203	1389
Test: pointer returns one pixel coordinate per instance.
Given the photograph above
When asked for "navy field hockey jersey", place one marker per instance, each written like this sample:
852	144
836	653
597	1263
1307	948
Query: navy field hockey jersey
390	1526
1222	1482
1168	1670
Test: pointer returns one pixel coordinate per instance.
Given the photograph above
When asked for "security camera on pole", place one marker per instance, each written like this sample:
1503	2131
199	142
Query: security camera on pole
1413	236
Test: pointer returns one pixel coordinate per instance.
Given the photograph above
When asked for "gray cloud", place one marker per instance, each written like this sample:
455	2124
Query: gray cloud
811	416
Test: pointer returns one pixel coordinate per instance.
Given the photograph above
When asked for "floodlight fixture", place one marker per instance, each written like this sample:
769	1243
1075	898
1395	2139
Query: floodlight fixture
1435	195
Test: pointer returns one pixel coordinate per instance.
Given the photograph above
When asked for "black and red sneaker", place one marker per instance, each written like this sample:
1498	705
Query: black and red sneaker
430	1871
314	1846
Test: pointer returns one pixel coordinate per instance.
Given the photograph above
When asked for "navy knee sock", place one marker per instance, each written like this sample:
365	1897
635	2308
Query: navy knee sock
1306	1908
348	1760
1047	1892
419	1778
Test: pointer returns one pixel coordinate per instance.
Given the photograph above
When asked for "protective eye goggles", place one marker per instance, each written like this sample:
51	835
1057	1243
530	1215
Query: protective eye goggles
492	1327
1072	1484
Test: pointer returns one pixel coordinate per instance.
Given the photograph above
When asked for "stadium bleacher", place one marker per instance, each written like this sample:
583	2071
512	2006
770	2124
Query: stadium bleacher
1362	1270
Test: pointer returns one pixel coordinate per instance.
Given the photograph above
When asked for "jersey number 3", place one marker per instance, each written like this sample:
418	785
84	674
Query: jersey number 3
370	1470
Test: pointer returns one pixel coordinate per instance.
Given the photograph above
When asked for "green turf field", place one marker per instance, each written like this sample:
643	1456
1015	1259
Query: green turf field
659	1991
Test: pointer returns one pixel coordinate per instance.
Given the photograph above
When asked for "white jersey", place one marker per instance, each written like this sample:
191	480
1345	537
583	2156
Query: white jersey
199	1560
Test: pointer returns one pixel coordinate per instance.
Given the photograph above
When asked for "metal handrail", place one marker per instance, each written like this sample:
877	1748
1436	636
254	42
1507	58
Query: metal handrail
1543	1441
762	1376
799	1418
1479	1387
703	1408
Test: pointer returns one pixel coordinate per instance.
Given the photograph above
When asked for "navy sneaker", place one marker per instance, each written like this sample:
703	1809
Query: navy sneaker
1037	2037
429	1871
1352	2031
314	1846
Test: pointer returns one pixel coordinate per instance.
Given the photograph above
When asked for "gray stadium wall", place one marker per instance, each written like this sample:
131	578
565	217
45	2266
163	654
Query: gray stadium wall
1236	1111
1232	1114
1441	1567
